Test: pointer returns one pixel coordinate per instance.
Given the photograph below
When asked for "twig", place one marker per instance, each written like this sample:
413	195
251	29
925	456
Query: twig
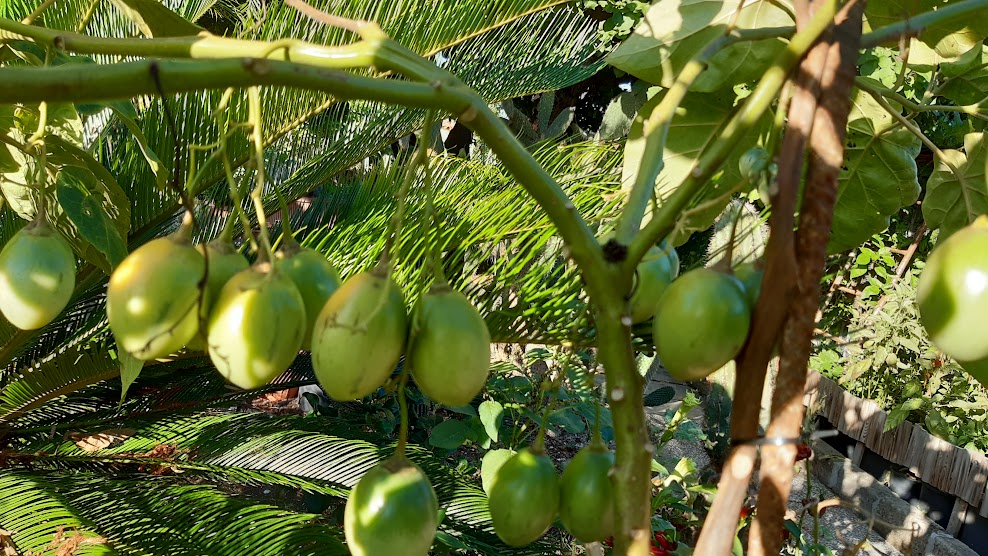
316	14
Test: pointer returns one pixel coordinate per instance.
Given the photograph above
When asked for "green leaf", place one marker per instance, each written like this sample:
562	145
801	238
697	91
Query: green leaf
155	20
493	460
913	404
968	87
450	434
130	369
895	418
954	201
878	177
697	122
621	110
674	31
491	415
568	420
84	209
660	396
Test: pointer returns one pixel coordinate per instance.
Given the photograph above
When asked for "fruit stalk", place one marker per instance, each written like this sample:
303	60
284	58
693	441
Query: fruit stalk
257	137
816	215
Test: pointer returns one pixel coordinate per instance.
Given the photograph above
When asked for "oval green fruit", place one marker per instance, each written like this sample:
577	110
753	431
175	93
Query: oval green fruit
451	353
701	323
524	498
953	294
587	496
751	278
314	276
223	261
359	336
37	276
654	274
153	296
256	327
393	511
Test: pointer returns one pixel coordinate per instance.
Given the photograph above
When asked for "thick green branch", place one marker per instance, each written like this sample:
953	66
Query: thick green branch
913	26
873	88
656	127
713	158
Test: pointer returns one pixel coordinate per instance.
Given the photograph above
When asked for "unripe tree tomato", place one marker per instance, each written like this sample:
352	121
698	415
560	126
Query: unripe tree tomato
222	262
314	276
524	498
654	274
393	511
256	326
953	293
152	298
587	496
451	350
37	276
701	323
750	276
359	336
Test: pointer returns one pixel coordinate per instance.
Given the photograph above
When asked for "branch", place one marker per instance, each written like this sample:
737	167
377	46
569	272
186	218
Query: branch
713	158
816	217
656	127
871	87
913	26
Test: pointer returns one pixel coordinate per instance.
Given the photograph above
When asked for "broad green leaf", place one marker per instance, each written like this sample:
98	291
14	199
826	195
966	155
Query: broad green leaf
568	420
696	123
493	460
878	176
450	434
922	58
674	31
491	415
968	87
954	201
949	39
621	110
84	209
155	20
130	369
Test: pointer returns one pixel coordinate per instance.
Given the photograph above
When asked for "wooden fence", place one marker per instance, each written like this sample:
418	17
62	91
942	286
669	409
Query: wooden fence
957	471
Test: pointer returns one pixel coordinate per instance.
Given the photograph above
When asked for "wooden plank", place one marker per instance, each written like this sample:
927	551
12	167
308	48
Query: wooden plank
937	462
912	454
857	454
977	478
876	430
899	450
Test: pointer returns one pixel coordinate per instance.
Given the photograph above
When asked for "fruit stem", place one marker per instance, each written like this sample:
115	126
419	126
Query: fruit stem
538	446
226	236
403	411
435	255
223	121
288	235
421	153
257	134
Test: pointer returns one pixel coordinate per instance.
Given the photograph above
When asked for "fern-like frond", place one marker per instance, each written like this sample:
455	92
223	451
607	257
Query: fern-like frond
162	516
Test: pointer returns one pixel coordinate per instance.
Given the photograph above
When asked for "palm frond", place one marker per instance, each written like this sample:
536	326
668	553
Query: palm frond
149	515
257	450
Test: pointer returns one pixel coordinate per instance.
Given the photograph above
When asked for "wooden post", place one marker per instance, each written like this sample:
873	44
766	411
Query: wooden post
958	517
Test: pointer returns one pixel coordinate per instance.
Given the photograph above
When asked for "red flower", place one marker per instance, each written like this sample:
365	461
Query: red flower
803	451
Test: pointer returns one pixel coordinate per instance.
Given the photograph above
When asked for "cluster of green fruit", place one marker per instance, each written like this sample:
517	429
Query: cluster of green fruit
700	320
583	498
253	320
953	297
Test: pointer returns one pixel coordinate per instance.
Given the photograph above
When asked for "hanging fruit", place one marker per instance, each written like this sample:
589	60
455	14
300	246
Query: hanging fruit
701	323
37	276
524	498
657	270
586	495
393	511
451	353
313	275
153	297
359	335
256	326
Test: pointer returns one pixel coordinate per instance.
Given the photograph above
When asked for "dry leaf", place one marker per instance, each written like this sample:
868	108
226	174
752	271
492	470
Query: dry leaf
7	543
100	440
